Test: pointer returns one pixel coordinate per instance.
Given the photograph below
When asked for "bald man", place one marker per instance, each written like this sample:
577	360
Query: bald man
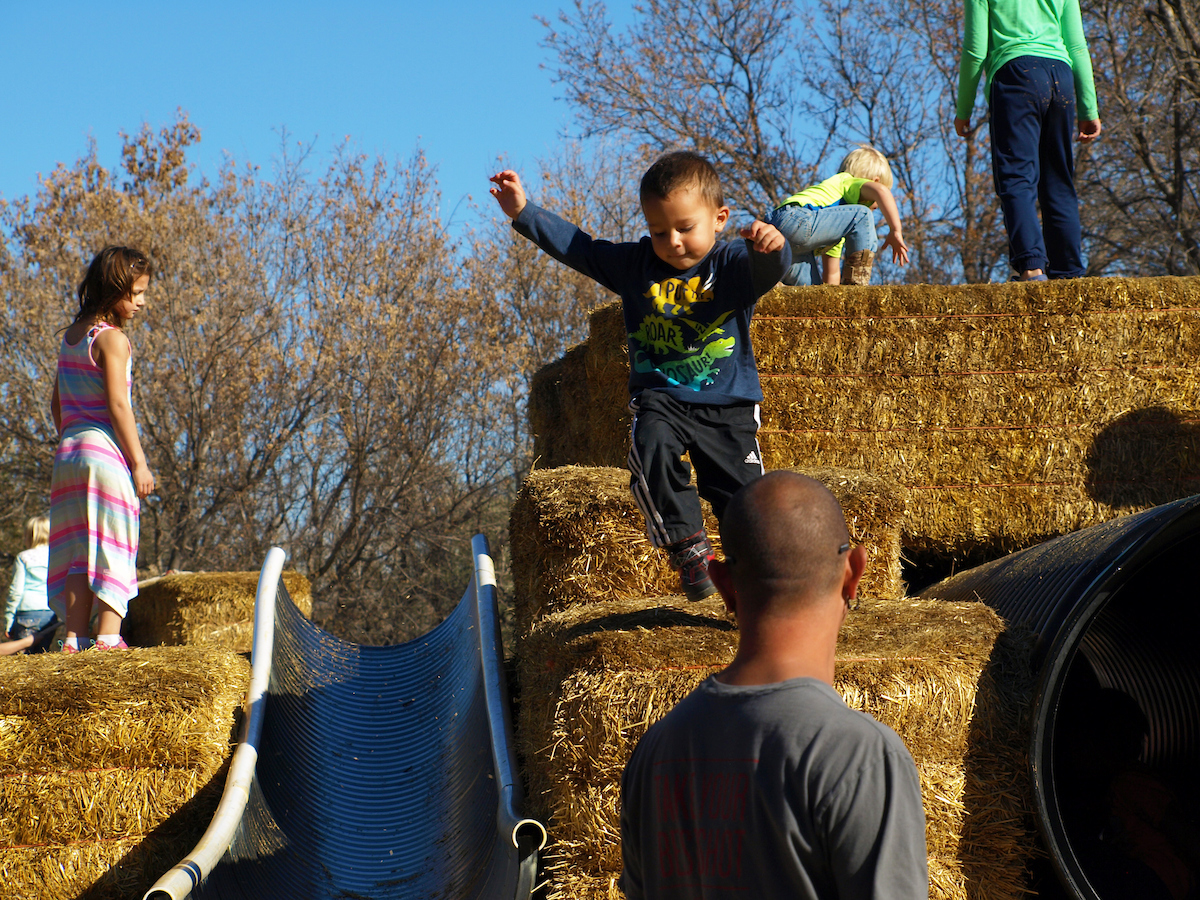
762	783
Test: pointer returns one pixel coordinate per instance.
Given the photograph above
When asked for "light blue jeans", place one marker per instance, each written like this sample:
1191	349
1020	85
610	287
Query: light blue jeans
809	230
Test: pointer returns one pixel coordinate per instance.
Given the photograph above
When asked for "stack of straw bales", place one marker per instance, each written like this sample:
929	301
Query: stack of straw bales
943	675
577	536
204	609
1013	412
601	656
112	765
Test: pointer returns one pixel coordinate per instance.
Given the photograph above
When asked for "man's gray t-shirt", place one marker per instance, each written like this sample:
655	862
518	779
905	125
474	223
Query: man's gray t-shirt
771	791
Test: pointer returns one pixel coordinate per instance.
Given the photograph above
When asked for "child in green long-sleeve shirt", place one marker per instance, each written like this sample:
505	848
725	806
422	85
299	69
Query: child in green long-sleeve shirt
1039	76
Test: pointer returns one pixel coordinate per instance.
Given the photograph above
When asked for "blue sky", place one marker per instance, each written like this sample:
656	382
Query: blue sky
460	78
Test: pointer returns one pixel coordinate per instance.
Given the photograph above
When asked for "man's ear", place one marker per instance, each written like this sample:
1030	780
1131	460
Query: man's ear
856	564
718	571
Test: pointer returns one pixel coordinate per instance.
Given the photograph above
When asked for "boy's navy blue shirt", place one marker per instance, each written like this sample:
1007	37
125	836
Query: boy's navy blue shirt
689	330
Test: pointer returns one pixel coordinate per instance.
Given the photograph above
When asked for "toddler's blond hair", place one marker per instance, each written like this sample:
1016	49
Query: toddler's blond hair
37	531
864	161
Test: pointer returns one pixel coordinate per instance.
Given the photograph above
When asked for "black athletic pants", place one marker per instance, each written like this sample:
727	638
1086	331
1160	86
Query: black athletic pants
722	443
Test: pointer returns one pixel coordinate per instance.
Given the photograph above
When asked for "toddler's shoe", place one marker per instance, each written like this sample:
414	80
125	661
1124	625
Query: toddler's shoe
1041	277
690	556
84	644
119	645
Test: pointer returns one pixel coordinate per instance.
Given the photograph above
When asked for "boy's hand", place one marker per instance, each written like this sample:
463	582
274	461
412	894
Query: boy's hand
508	193
962	127
765	238
899	248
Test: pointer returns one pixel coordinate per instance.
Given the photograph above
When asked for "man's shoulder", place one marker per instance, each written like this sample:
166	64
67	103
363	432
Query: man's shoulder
799	702
806	708
799	720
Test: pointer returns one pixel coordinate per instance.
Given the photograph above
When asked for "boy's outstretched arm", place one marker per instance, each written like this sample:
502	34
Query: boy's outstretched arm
877	193
508	192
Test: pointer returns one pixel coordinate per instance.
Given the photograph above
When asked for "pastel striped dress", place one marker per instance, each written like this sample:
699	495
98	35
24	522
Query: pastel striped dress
94	507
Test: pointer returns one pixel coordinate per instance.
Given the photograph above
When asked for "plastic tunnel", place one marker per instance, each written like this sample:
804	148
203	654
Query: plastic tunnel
370	772
1117	709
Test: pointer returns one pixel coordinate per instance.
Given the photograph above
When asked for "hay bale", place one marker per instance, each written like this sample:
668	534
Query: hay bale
556	392
577	535
607	417
1014	412
88	870
204	609
945	676
111	765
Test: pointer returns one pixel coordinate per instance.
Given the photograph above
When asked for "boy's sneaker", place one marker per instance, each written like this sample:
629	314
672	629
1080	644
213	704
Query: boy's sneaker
858	267
690	556
119	645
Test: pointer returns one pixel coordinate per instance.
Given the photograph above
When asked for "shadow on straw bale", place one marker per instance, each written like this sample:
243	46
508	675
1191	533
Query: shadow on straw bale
1145	457
111	764
107	868
995	404
594	678
999	828
577	535
558	389
607	417
204	609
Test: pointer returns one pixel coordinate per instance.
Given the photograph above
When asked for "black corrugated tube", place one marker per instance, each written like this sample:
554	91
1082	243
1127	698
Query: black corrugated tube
1116	716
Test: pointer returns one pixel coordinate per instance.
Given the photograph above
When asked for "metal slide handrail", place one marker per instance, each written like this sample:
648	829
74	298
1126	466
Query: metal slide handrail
239	815
524	833
179	881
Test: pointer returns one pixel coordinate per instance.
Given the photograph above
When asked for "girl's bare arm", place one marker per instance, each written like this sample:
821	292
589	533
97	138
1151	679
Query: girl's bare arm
111	352
56	407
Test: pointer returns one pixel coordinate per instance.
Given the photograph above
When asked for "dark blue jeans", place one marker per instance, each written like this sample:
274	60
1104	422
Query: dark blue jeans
1032	125
808	229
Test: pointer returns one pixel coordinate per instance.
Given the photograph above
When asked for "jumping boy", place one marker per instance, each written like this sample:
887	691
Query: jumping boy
687	302
836	214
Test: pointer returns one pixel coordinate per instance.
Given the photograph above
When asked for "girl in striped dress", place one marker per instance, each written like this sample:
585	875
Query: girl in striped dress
100	472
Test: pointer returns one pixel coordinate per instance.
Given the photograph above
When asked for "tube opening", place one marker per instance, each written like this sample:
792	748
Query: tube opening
1116	749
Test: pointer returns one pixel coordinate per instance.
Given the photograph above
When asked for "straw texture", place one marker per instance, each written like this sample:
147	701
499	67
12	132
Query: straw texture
577	535
945	676
111	764
1013	412
204	609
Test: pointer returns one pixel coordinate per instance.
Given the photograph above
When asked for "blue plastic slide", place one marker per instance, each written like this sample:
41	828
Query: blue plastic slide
370	772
